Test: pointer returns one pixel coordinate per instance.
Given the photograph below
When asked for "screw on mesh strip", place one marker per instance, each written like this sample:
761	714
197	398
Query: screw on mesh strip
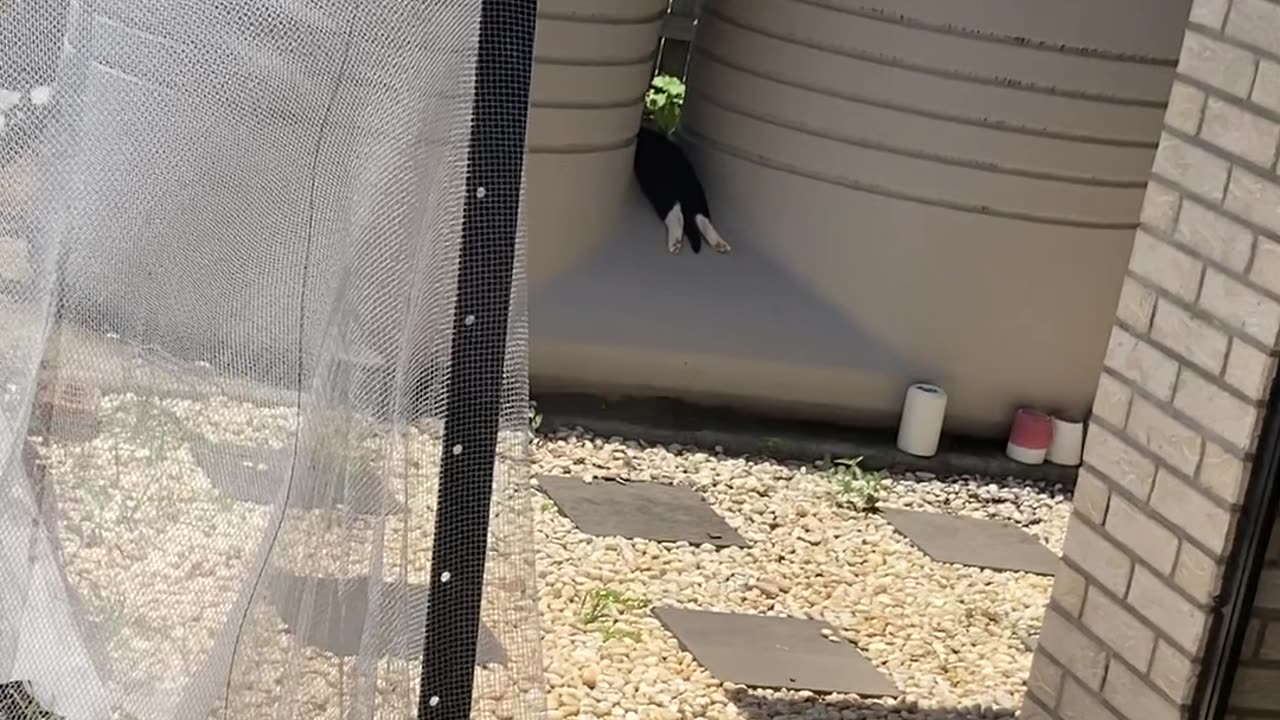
485	272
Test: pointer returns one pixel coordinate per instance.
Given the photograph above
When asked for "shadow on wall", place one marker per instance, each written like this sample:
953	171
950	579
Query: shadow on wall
632	293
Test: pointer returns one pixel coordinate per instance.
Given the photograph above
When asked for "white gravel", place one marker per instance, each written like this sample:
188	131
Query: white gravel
159	556
950	637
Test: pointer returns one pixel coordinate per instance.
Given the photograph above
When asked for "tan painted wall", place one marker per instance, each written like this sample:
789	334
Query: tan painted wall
911	193
592	60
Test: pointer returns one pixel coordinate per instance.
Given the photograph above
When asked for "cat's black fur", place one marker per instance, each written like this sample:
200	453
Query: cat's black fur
667	178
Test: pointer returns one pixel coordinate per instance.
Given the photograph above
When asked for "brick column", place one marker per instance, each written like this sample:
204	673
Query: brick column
1180	401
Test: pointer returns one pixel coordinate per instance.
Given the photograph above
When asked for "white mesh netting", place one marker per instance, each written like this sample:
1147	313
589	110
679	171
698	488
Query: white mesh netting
262	346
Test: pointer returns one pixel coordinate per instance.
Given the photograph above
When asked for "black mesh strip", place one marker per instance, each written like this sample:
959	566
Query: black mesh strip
490	226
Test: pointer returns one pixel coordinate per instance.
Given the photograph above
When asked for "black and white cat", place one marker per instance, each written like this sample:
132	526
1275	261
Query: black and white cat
670	183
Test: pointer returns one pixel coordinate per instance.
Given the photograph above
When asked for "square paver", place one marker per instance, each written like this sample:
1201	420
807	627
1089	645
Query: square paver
774	653
648	510
338	610
257	474
973	541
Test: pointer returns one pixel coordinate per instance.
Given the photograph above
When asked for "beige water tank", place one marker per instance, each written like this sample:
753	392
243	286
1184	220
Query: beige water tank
960	179
592	64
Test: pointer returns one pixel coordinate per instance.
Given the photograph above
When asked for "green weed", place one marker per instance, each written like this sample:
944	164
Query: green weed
664	101
601	609
856	488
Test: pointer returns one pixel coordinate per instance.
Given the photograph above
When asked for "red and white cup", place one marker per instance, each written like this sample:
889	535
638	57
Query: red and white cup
1030	437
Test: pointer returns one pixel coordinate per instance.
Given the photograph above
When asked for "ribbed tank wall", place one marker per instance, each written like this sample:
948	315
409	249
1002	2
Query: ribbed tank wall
592	65
962	179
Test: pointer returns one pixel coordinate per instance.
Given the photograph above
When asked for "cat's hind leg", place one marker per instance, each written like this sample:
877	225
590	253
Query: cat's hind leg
709	232
675	230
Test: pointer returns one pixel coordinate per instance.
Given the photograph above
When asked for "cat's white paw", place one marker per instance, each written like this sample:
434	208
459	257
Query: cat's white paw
675	230
708	230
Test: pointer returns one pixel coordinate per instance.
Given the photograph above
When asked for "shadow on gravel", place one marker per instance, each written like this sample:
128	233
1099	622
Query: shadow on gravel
762	707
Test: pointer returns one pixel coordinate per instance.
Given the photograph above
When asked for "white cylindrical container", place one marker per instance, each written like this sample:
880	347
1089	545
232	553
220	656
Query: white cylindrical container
1067	444
922	414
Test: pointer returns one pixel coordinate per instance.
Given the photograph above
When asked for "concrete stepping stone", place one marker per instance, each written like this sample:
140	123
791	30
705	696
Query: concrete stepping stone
973	541
338	608
775	653
258	474
647	510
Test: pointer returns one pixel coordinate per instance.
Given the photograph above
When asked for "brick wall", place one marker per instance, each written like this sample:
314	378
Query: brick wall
1180	401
